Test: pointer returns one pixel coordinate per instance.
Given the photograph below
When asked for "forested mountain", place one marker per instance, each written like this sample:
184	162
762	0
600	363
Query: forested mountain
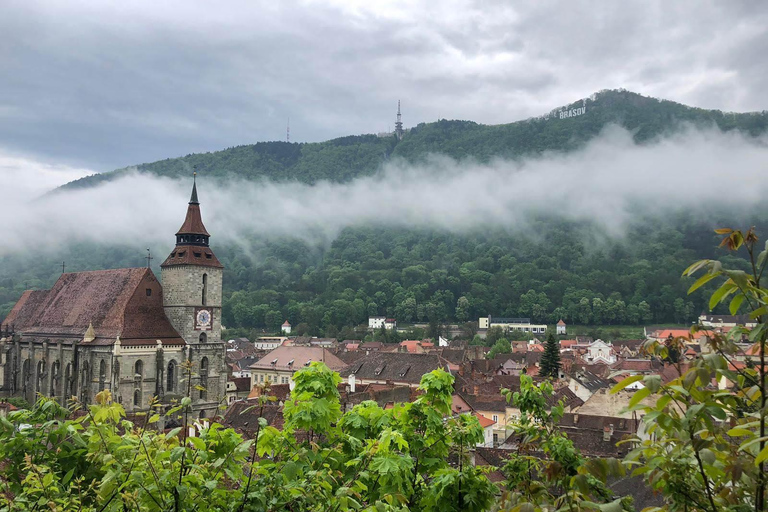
346	158
555	268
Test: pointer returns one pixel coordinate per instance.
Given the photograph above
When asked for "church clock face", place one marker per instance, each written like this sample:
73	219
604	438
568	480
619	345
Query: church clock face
203	319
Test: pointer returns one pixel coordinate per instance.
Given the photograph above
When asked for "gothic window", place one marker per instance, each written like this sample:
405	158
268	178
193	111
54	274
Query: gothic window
171	377
25	375
102	375
68	382
85	378
138	370
40	384
203	337
204	378
137	398
205	288
55	371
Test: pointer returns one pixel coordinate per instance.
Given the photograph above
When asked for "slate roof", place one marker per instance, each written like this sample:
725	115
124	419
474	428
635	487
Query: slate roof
393	366
114	301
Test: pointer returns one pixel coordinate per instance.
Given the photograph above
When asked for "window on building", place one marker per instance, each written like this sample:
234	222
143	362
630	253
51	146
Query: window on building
149	292
137	398
495	418
203	337
205	288
102	375
170	385
138	370
204	378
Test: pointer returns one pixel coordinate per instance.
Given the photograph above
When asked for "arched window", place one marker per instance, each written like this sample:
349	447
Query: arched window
171	377
68	382
138	370
203	337
202	414
55	376
41	374
137	398
204	378
102	375
25	375
85	379
205	288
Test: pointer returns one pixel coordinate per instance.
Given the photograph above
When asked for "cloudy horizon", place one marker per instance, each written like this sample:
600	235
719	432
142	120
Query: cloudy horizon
93	87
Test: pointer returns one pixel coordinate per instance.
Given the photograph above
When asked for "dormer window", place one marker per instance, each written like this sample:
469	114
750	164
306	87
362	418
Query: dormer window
198	254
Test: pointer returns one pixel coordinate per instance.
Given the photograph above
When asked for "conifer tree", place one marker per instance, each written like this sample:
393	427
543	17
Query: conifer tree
550	360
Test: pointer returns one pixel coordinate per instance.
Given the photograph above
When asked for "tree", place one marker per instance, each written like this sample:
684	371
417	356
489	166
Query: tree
324	459
561	480
707	447
550	359
462	309
502	346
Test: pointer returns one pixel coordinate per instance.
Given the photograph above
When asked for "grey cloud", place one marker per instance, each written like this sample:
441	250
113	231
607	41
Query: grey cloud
104	85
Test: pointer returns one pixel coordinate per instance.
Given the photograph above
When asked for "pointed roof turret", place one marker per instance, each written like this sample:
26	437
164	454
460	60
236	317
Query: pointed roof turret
193	223
192	238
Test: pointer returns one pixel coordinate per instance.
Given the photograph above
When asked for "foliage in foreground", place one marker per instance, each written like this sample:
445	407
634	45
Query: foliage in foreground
366	459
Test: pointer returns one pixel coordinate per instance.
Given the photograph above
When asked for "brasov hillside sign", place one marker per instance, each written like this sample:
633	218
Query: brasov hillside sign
565	114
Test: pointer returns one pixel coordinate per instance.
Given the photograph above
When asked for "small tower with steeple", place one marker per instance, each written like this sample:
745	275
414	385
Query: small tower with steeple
192	295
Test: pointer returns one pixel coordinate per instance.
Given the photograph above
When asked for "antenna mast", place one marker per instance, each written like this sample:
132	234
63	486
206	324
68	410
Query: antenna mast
399	123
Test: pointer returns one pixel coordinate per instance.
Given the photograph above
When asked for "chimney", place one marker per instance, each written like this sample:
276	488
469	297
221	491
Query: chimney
476	389
351	382
575	418
607	432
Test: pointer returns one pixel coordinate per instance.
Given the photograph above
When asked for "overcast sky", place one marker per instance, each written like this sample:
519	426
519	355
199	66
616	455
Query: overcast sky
93	86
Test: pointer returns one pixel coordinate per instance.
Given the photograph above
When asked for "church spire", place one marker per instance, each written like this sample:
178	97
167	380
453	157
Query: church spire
193	199
192	239
193	231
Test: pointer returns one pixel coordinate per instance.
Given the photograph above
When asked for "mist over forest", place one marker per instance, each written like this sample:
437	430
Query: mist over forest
592	221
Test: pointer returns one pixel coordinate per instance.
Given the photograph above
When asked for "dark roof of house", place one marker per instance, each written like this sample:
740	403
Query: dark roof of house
114	302
453	355
591	381
242	383
393	366
244	415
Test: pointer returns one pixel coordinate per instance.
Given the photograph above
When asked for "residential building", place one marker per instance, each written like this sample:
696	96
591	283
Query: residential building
279	365
510	324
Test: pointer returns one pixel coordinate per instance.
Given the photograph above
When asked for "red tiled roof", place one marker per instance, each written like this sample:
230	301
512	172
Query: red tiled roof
114	301
561	322
484	422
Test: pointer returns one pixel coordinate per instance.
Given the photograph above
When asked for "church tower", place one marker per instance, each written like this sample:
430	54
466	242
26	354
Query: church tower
192	295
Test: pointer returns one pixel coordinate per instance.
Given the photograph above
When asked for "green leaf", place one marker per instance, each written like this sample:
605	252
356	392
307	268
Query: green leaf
626	382
639	396
763	455
725	290
702	281
173	433
736	303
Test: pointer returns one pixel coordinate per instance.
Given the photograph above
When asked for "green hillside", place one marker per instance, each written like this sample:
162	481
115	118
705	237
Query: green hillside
349	157
559	269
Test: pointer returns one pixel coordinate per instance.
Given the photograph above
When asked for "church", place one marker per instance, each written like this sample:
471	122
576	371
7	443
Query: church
125	331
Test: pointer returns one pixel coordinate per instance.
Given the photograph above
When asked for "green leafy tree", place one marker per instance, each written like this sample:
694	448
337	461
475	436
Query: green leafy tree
707	445
502	346
562	479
